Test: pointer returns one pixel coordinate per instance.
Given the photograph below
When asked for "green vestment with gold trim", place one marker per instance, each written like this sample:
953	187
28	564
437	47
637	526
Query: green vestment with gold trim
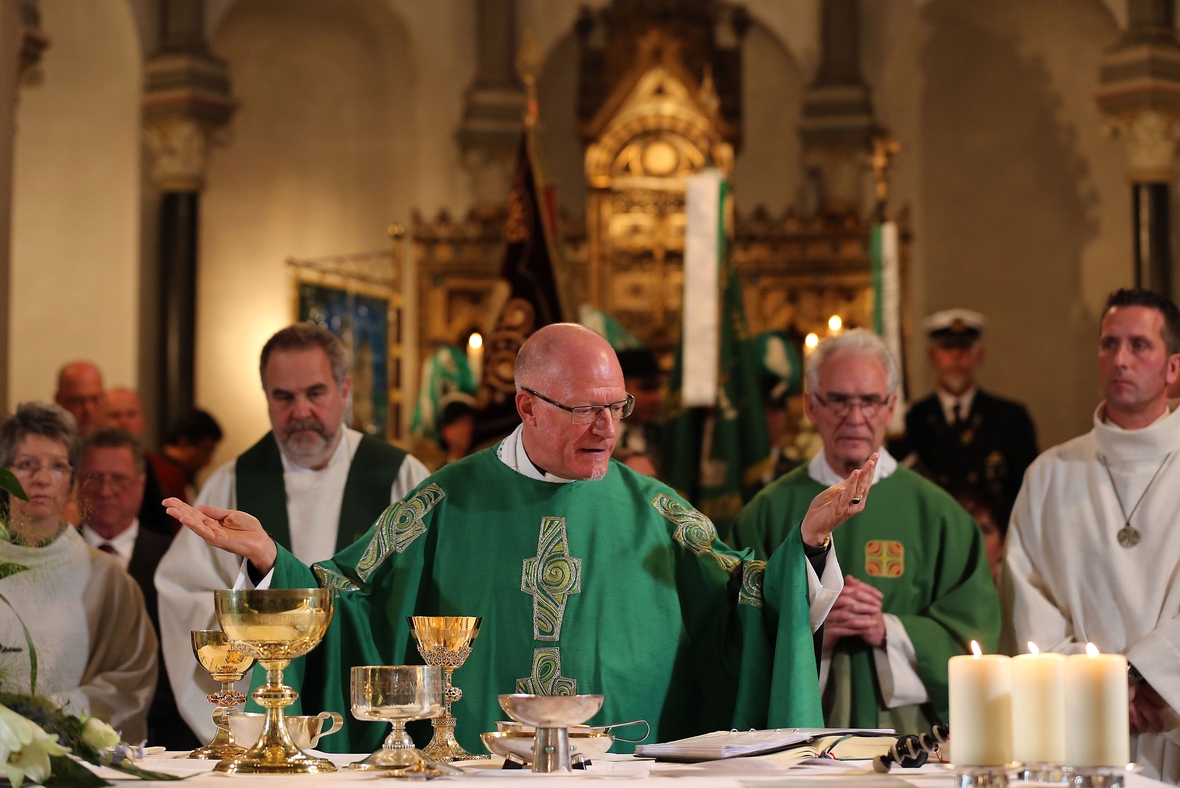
925	554
614	586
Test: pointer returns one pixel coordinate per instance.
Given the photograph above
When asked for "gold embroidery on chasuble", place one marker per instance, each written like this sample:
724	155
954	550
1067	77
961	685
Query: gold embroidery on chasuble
750	592
326	578
550	578
884	558
397	528
546	678
693	531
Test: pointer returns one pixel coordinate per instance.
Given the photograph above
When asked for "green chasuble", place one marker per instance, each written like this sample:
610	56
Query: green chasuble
261	492
613	586
925	553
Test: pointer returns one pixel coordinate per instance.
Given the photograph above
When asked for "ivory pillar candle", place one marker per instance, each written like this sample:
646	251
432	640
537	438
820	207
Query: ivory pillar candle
1097	731
981	709
1038	707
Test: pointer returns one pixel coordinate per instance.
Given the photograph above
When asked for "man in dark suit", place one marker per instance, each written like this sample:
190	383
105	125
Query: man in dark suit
961	436
111	479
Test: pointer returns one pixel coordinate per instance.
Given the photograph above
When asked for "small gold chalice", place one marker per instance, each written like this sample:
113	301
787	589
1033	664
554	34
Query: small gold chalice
445	641
226	665
398	694
275	626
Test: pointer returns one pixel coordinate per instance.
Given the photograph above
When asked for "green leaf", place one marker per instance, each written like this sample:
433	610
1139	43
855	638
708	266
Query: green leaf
68	773
8	570
144	774
11	485
29	641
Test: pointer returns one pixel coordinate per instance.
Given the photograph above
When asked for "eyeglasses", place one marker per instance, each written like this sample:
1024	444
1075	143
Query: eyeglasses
842	404
29	468
117	481
588	414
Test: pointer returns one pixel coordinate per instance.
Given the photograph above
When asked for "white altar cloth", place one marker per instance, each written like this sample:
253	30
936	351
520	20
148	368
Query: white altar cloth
622	770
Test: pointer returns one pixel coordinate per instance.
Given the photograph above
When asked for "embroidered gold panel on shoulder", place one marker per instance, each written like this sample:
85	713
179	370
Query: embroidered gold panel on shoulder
329	579
751	590
398	527
693	530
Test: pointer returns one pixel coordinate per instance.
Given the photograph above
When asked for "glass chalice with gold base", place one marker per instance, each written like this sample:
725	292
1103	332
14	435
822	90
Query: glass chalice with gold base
226	665
445	641
275	626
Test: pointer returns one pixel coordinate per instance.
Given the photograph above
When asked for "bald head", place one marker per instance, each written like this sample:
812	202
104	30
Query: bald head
560	367
80	391
558	354
125	410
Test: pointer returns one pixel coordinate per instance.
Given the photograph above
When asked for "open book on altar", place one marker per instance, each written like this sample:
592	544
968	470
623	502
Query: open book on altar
850	743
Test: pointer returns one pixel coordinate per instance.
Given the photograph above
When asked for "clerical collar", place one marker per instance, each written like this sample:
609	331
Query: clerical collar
819	470
512	454
948	402
340	455
1155	440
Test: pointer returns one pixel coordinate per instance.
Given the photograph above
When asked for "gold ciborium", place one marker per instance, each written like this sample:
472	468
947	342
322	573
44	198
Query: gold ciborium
398	694
226	665
445	641
275	626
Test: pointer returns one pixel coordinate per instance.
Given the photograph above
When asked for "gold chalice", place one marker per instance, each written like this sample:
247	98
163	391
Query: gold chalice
275	626
398	694
226	665
445	641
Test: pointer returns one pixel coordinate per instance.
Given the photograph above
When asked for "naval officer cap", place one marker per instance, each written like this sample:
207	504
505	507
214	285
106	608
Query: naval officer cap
954	326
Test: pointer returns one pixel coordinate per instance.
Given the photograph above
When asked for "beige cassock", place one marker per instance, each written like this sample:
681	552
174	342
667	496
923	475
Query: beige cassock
1068	581
96	649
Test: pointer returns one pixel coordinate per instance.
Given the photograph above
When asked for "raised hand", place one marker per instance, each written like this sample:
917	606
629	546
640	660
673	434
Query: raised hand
235	532
836	504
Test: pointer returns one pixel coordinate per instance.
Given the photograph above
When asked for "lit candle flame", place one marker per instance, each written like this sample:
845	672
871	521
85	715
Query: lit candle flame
475	341
975	649
1091	650
811	341
1032	649
835	323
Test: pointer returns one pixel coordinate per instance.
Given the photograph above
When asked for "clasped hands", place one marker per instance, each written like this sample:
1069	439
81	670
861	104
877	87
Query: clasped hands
1145	709
235	532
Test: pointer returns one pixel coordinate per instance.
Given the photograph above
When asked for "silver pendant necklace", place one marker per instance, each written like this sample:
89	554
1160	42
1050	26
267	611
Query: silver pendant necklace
1128	536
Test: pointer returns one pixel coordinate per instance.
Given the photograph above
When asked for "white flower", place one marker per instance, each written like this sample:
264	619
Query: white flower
99	735
25	748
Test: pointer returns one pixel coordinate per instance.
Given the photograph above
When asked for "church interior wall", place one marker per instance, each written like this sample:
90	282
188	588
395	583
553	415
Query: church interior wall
1020	204
76	201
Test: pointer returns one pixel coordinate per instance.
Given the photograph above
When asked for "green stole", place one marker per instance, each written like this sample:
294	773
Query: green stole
260	489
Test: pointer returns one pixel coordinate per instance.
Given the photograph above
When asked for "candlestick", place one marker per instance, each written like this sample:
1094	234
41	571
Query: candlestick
1038	707
1097	729
981	708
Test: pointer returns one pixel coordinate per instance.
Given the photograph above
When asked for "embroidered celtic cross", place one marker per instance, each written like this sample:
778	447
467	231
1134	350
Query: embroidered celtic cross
550	578
546	678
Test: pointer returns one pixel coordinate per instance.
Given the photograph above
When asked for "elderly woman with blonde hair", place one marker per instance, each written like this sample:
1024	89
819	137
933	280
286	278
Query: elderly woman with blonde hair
96	650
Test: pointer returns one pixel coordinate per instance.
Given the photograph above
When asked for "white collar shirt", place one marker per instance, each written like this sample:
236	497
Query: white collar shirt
948	402
123	544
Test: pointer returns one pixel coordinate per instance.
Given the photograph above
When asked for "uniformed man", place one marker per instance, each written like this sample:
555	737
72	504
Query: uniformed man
961	436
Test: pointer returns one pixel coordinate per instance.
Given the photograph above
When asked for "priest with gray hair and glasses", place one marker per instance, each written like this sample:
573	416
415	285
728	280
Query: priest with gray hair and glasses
918	588
1093	554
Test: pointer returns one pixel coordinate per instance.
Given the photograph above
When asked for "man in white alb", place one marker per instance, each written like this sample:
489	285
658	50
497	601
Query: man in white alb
1093	554
317	484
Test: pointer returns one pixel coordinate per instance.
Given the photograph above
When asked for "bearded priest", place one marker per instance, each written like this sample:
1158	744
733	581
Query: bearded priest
590	577
1093	554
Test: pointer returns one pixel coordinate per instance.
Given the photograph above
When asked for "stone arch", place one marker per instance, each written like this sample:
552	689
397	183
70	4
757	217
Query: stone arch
320	158
76	201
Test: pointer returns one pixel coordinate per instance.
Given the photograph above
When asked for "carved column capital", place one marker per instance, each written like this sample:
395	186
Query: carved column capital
1150	136
186	107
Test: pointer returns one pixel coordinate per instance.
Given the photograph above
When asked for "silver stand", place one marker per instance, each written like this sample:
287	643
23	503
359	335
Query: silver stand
1095	776
1043	773
981	776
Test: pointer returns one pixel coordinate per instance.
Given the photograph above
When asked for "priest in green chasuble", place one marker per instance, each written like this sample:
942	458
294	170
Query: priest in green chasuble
918	589
590	577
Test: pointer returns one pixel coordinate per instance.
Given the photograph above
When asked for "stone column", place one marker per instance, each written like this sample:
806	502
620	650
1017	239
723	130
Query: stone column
837	123
495	104
1140	96
186	104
